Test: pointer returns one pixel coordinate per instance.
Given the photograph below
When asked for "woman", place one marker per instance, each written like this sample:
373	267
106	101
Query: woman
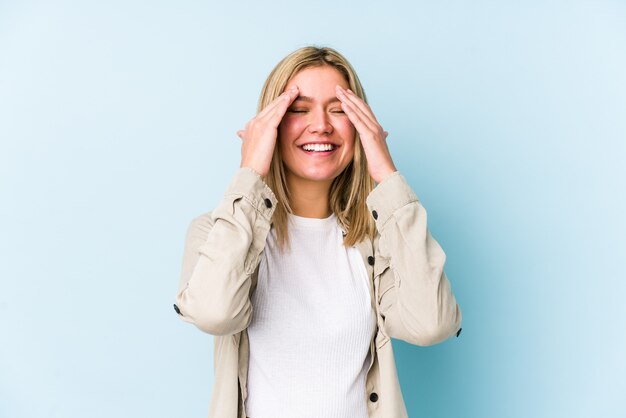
317	255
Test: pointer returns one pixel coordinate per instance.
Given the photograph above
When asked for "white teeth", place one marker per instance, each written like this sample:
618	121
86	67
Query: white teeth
318	147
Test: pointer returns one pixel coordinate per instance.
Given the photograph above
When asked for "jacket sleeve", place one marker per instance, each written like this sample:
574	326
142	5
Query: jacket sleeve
222	250
416	301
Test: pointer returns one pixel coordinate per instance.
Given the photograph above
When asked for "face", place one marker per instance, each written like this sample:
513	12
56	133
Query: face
316	116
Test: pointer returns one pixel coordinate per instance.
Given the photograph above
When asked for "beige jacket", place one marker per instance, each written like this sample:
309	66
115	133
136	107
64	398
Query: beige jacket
411	294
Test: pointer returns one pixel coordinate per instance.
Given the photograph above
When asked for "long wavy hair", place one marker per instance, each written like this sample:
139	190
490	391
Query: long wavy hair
350	188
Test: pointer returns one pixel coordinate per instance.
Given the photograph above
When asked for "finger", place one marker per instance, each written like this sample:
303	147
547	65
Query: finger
356	120
282	106
271	105
361	104
286	96
356	113
369	121
272	113
275	116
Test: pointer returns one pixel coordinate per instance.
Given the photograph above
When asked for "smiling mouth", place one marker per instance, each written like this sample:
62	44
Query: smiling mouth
319	148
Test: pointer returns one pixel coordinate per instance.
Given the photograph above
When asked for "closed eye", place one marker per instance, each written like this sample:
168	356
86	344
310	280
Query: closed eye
304	111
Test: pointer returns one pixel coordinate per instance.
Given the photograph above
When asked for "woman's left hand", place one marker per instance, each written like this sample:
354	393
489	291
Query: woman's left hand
379	162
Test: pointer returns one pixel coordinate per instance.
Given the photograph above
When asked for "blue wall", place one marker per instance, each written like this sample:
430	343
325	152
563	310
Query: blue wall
117	127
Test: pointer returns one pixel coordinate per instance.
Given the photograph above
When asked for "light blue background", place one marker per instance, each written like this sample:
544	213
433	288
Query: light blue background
117	127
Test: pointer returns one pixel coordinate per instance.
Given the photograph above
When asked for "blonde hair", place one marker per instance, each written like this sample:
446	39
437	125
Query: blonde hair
349	189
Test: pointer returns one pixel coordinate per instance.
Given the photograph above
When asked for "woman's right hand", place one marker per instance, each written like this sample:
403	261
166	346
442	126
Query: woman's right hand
259	134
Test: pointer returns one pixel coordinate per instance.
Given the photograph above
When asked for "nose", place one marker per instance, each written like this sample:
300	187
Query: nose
319	122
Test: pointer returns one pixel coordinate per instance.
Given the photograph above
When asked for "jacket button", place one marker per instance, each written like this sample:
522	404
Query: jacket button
370	260
373	396
268	203
375	214
177	310
458	332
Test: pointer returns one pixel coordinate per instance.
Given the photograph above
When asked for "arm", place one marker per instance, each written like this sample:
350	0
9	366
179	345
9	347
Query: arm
222	250
416	299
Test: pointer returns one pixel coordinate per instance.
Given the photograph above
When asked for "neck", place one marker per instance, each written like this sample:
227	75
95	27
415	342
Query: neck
308	198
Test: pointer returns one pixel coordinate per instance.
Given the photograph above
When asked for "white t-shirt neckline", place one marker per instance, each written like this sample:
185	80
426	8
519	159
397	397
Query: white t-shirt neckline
317	223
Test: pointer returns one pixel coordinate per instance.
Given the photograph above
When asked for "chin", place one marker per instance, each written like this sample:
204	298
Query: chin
318	175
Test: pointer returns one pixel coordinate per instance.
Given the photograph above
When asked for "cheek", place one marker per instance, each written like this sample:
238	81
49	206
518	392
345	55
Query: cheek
291	126
288	131
346	129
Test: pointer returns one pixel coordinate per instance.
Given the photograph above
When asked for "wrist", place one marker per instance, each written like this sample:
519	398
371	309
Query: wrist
382	176
253	168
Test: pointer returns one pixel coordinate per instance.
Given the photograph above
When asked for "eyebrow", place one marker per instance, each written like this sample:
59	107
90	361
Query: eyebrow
310	99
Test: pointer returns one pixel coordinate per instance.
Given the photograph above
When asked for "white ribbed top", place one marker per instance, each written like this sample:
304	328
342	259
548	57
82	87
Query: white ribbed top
311	326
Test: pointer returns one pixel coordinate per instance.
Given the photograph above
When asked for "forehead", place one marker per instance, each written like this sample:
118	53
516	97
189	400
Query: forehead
318	81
